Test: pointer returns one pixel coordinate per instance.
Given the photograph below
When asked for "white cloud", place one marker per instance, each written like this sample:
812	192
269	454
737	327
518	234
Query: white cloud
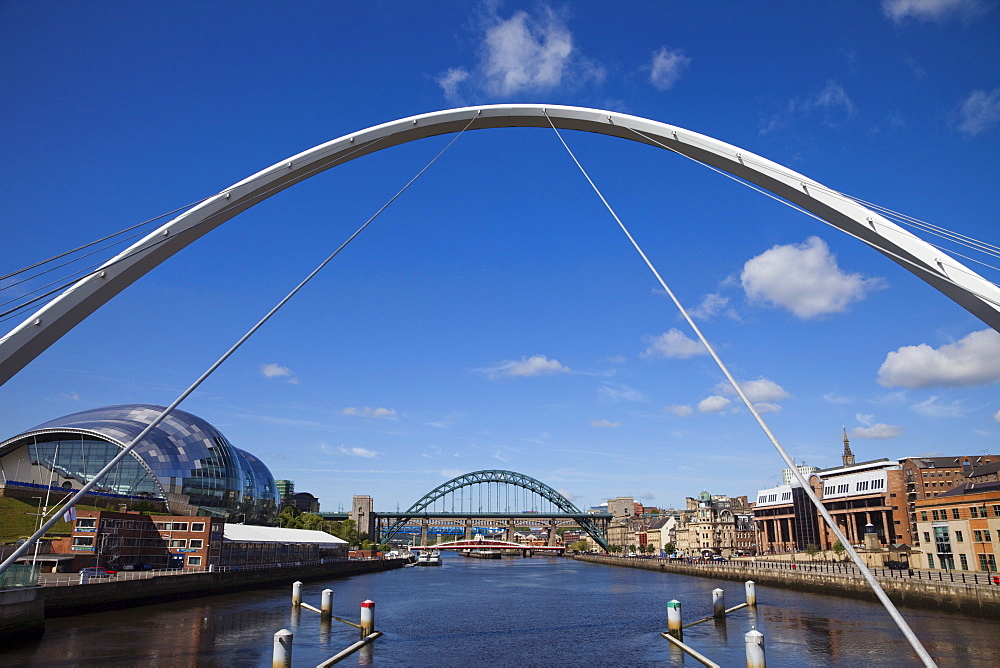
836	399
830	102
805	279
275	370
996	416
673	344
711	305
604	424
536	365
617	359
865	419
929	10
450	82
278	371
713	404
877	431
979	112
72	396
933	407
666	67
767	407
369	412
359	452
680	410
617	392
973	360
762	389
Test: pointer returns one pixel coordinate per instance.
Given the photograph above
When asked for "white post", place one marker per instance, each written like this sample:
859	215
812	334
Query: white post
718	604
367	618
282	655
755	649
296	594
751	594
326	607
674	619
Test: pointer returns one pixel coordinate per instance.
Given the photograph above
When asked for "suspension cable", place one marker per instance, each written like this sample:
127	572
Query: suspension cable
876	587
166	411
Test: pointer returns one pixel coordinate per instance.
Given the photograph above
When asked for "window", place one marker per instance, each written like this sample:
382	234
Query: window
196	543
964	562
927	537
973	512
987	562
86	523
179	526
954	513
198	527
178	542
986	536
958	537
923	515
996	511
163	526
978	536
930	557
83	541
194	560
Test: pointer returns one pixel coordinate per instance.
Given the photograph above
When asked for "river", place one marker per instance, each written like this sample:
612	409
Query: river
542	611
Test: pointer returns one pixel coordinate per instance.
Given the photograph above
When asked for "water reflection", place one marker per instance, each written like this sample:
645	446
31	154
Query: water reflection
538	611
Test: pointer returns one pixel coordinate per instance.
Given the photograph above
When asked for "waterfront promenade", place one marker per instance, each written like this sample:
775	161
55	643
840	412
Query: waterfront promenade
968	593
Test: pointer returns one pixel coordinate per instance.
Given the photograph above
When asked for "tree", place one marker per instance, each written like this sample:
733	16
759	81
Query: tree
669	548
812	549
289	518
579	546
839	550
311	521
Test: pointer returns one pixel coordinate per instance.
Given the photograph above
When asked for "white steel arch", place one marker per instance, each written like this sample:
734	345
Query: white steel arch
29	339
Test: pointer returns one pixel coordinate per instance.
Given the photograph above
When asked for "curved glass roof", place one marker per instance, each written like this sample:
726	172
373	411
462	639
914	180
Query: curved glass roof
192	461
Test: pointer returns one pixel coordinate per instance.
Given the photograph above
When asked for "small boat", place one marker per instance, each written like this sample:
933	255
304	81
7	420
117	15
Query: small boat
429	558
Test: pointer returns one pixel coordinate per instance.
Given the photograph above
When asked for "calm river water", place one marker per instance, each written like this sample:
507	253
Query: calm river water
512	612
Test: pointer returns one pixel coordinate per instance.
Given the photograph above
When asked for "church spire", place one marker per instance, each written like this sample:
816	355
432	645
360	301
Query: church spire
848	455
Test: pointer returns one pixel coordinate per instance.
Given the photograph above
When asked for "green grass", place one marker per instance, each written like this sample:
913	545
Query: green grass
17	519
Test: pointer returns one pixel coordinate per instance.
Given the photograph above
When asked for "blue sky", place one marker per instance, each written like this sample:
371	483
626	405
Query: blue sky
495	316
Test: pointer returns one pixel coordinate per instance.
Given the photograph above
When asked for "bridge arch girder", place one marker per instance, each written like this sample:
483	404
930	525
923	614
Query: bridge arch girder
498	476
946	274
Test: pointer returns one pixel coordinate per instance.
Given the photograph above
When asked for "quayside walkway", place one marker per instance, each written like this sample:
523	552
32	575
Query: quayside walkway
977	596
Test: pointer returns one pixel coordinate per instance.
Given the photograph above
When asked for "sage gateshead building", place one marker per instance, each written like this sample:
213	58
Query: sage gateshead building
184	464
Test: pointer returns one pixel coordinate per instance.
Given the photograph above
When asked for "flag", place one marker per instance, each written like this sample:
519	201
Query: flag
70	515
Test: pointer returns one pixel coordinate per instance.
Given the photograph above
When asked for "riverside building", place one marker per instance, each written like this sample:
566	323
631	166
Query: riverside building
184	466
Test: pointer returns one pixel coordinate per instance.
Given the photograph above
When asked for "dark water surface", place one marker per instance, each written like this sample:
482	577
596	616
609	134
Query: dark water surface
511	612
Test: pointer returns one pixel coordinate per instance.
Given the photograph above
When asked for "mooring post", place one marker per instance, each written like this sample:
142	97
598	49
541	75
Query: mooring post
296	594
719	605
755	649
367	618
282	655
751	594
326	607
674	619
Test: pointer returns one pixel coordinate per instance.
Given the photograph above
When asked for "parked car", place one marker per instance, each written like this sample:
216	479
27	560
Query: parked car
98	572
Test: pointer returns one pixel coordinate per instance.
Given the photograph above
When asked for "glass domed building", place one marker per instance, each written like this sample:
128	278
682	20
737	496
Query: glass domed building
184	462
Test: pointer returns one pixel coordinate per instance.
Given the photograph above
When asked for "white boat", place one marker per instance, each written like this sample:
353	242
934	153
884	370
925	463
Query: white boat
429	558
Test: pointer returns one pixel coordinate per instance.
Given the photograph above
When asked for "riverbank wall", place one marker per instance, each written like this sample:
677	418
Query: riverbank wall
976	601
23	610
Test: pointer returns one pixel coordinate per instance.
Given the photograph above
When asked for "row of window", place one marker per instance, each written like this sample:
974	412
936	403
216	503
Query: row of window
974	512
987	562
196	527
941	533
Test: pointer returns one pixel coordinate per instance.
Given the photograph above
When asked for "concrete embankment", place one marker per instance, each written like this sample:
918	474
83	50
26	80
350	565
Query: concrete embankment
976	601
23	611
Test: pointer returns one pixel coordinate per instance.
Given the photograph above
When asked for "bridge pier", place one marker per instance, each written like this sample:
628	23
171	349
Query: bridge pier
552	534
468	529
510	531
423	532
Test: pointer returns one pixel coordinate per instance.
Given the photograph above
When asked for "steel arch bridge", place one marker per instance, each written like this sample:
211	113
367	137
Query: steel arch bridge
520	480
932	265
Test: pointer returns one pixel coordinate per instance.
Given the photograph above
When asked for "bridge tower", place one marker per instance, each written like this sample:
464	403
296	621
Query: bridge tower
363	516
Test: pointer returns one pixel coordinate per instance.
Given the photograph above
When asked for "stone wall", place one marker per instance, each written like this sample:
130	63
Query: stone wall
977	601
